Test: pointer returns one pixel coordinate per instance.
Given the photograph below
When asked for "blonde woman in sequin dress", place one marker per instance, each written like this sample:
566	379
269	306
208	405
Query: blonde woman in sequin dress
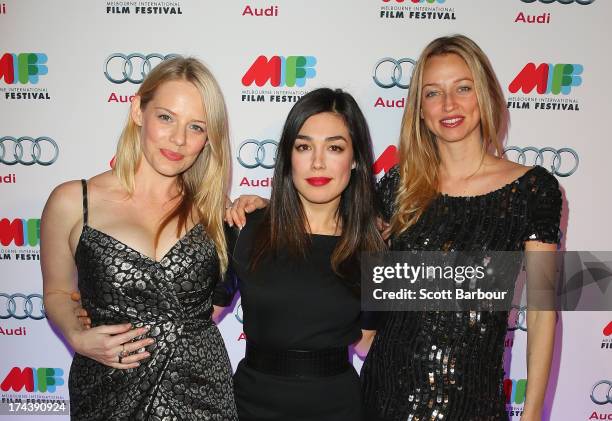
452	191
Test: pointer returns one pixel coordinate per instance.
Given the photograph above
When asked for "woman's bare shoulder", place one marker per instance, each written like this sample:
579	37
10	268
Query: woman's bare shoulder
506	169
66	199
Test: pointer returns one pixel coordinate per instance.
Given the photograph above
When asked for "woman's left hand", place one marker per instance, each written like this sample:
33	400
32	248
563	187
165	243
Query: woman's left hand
80	312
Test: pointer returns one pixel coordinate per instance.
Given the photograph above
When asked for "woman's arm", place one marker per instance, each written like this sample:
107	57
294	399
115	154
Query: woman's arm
363	345
58	269
61	215
227	286
540	331
247	203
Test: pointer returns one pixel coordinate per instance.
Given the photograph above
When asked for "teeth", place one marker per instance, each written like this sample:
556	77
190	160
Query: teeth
451	121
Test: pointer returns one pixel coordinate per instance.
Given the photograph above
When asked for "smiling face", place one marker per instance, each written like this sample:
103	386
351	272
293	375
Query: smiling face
172	127
449	106
322	158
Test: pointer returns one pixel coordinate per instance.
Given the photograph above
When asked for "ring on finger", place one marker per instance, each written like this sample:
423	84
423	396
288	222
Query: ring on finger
122	354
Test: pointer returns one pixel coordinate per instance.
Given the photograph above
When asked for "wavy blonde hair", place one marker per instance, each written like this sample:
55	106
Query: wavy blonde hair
419	158
204	185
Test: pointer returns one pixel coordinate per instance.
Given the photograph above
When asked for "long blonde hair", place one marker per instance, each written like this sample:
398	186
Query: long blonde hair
204	185
419	158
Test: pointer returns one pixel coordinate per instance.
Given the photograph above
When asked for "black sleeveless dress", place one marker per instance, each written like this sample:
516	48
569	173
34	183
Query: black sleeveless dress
449	365
188	375
291	303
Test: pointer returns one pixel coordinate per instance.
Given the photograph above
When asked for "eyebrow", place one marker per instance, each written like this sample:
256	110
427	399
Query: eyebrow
327	139
173	113
455	81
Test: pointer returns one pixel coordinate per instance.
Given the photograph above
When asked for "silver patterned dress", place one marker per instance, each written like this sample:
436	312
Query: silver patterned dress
188	375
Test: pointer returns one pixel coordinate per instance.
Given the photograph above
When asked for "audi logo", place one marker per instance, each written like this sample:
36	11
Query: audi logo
253	153
562	162
389	72
238	313
133	68
21	306
28	151
601	393
582	2
517	319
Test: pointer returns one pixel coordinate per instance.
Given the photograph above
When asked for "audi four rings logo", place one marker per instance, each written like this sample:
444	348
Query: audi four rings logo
254	153
238	313
583	2
562	162
133	68
601	393
21	306
28	151
389	72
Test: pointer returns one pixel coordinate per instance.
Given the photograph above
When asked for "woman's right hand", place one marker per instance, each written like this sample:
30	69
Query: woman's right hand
236	212
106	343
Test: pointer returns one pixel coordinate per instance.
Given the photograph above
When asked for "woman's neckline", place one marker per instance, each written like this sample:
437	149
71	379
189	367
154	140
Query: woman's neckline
505	186
324	235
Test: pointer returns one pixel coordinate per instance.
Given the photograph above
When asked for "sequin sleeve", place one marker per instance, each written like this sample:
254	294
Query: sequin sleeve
544	208
385	193
227	287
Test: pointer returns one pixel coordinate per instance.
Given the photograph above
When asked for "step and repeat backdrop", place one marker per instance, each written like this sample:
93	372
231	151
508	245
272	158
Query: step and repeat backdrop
68	70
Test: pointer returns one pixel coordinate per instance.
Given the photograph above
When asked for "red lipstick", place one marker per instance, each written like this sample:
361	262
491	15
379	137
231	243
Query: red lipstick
318	181
172	156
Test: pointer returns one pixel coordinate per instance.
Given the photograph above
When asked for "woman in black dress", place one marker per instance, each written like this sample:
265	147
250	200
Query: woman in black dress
165	198
297	264
452	191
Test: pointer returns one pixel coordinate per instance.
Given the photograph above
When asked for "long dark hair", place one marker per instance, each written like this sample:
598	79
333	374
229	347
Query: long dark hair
284	227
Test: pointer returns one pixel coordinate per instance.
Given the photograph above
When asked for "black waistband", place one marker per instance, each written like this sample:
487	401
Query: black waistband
295	363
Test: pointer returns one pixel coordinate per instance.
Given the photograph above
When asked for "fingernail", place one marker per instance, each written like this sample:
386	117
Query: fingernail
147	327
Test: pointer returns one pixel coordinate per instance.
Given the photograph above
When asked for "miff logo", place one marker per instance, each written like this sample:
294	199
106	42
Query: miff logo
20	231
23	68
386	160
281	71
607	331
547	78
33	379
515	391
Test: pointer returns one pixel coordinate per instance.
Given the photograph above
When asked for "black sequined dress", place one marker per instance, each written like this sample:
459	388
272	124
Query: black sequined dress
449	365
188	375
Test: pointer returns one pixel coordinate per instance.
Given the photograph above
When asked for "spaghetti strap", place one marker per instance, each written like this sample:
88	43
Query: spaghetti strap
84	184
